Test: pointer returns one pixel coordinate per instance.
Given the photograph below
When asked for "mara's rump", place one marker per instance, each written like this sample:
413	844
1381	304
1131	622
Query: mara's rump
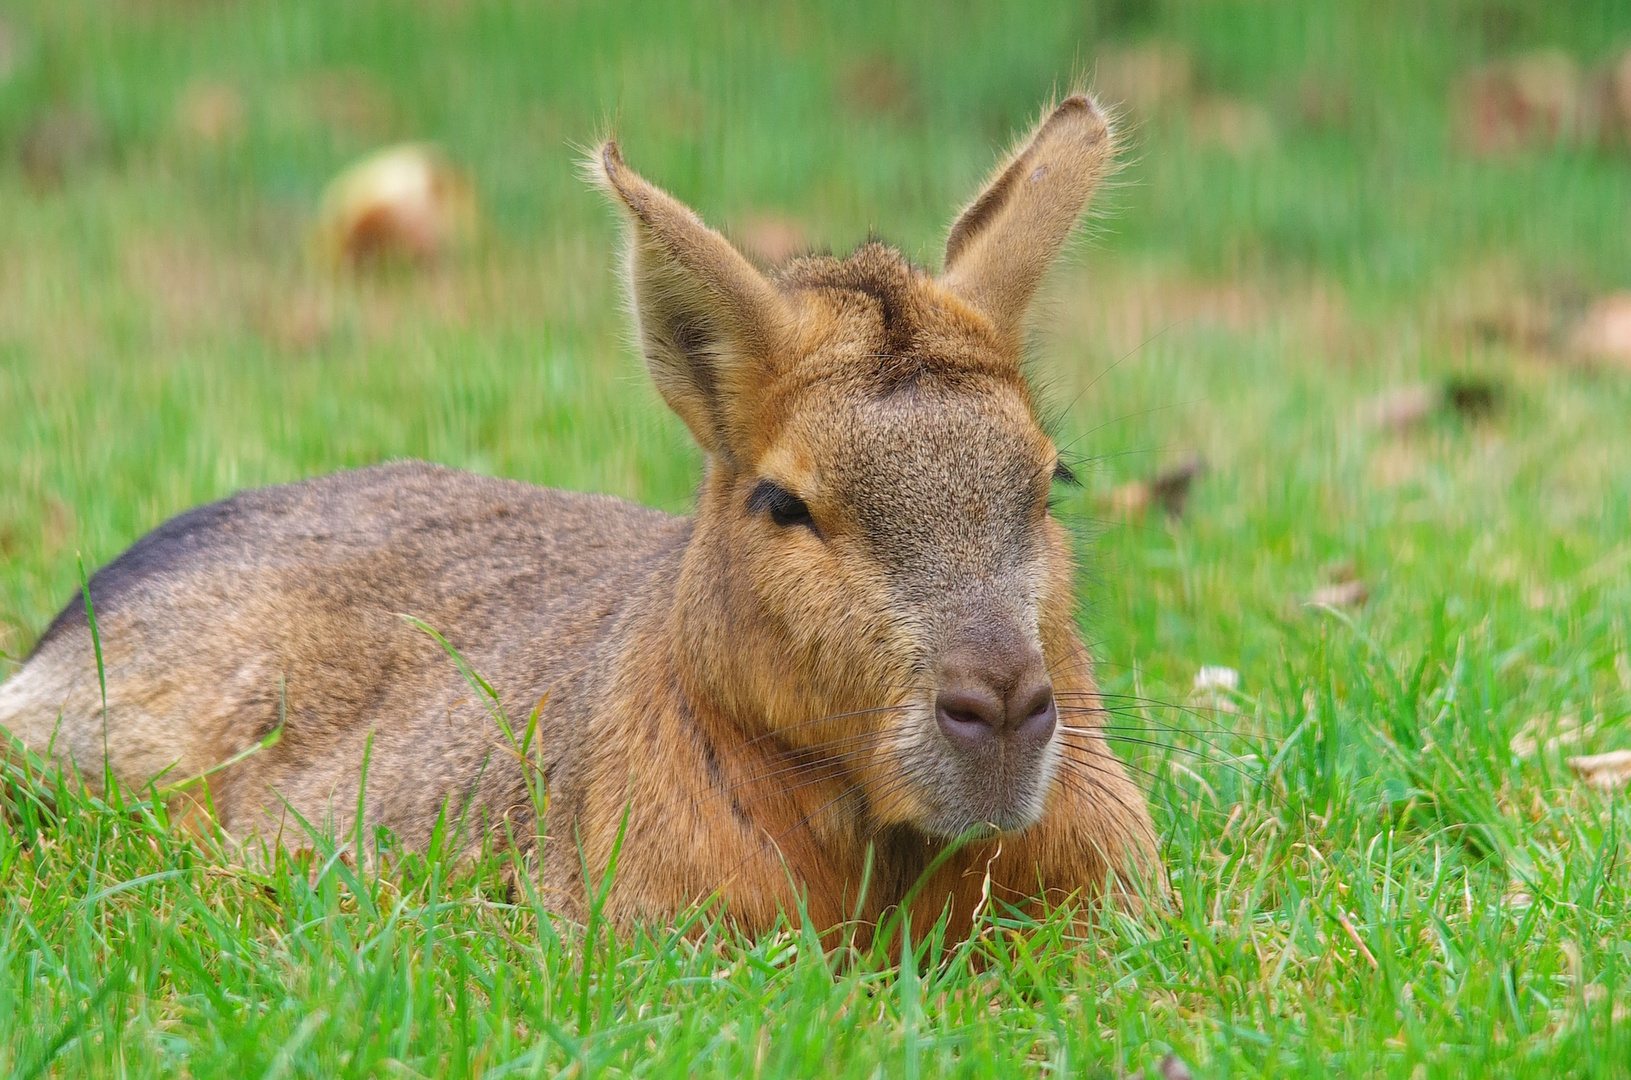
287	606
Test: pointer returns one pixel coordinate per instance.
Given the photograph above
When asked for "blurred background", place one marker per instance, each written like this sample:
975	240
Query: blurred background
1348	328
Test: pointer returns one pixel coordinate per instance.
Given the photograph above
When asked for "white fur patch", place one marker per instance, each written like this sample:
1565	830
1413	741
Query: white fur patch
32	707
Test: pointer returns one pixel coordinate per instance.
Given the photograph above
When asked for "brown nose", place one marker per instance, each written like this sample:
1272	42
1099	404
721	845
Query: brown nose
999	691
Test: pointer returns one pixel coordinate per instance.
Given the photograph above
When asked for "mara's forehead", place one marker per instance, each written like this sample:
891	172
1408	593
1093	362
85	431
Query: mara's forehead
900	386
928	476
873	324
964	435
928	445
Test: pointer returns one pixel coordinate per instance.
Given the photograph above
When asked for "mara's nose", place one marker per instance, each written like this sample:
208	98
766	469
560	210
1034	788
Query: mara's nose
986	697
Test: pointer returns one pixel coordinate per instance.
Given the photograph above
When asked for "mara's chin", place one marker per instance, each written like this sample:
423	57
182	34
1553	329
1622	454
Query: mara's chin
946	792
991	807
950	826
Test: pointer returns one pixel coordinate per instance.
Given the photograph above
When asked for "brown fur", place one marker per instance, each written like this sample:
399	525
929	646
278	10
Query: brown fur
759	696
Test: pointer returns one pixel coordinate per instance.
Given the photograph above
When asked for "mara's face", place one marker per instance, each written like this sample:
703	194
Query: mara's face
896	530
876	513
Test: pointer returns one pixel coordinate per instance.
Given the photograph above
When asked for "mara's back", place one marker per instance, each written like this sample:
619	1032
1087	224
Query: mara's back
290	606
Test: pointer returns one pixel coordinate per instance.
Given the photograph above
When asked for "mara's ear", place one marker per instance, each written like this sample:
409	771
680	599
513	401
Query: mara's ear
1002	245
708	321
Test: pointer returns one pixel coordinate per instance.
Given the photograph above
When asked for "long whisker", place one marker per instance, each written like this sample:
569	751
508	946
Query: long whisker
1202	713
832	765
1087	665
1129	730
1094	381
1089	722
1082	777
836	772
1256	780
1132	731
829	718
1112	720
1237	769
1081	782
1095	762
1126	703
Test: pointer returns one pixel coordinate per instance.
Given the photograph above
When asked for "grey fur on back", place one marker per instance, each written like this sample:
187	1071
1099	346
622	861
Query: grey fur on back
289	601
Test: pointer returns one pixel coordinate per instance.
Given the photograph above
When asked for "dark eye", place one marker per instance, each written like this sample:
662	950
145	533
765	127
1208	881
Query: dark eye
786	509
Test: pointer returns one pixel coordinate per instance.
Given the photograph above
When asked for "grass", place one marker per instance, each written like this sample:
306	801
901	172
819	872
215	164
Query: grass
1380	863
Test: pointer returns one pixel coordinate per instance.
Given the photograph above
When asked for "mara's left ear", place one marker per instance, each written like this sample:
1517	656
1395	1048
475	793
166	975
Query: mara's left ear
1003	244
709	322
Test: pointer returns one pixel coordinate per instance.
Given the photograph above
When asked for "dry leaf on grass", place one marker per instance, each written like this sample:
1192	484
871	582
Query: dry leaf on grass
403	202
210	111
1606	772
1604	335
1549	734
1158	79
1168	488
1239	127
1343	587
1129	501
771	238
296	323
1172	1067
1532	99
1543	98
879	86
57	144
1341	594
1607	102
1217	677
1216	686
1473	397
1171	485
1147	80
11	51
1401	409
1617	93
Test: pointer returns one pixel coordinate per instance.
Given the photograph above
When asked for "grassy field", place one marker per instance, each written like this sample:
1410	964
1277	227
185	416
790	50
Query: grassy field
1380	863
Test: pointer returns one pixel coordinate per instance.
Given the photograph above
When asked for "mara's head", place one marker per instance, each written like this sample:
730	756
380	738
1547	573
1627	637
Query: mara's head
875	575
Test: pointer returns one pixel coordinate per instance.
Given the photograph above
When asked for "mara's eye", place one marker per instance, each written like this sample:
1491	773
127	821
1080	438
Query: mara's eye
786	509
1062	474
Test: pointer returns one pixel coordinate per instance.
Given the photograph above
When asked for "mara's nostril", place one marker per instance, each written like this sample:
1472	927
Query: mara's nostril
1028	702
1037	723
968	718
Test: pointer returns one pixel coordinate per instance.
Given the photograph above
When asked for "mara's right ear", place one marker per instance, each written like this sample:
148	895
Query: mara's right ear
1003	244
708	321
